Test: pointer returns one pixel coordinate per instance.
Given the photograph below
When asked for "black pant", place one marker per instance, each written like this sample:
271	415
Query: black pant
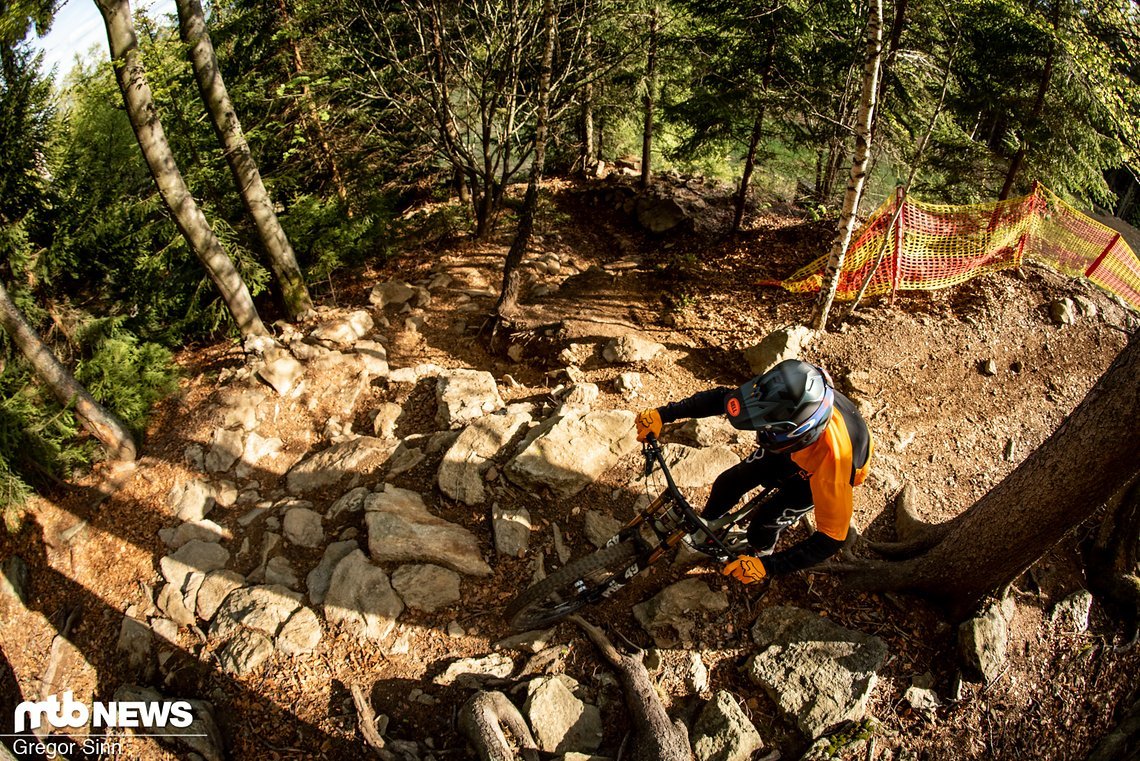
763	469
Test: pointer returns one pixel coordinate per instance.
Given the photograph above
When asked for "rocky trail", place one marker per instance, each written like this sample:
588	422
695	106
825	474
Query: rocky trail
353	508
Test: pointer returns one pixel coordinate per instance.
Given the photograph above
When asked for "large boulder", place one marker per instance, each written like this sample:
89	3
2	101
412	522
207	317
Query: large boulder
774	348
401	530
426	587
691	467
465	462
466	395
340	462
671	616
361	596
271	610
195	556
343	331
571	450
391	293
318	580
817	672
302	527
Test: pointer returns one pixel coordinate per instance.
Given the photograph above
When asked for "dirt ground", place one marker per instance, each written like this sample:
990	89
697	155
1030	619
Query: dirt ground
939	423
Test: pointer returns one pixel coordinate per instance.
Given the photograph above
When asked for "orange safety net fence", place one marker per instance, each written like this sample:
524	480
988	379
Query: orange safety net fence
932	246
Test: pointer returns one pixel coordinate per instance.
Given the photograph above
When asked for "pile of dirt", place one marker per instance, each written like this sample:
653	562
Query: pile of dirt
958	387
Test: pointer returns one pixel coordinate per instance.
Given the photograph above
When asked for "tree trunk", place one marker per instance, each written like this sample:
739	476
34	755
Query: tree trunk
858	175
509	296
316	125
749	165
247	177
650	98
148	130
1038	106
1086	461
102	423
589	156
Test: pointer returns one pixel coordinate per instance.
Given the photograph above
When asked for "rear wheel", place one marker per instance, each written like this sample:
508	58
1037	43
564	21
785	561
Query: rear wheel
573	586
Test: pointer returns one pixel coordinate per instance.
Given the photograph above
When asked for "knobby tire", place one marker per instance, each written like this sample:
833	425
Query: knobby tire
555	597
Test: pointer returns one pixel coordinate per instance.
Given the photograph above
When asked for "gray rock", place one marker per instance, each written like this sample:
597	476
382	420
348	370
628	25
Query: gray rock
672	614
272	610
658	215
343	381
361	597
561	722
528	642
203	530
461	471
216	587
350	502
375	358
511	529
202	736
281	372
137	641
426	587
580	395
628	385
245	652
982	644
343	331
692	468
302	527
384	424
713	431
404	459
401	530
696	674
818	673
473	673
319	578
921	697
1063	312
600	528
14	580
171	602
631	348
280	571
226	447
466	395
723	732
1072	613
392	293
571	450
193	501
785	343
242	411
194	556
349	459
257	448
1085	306
988	368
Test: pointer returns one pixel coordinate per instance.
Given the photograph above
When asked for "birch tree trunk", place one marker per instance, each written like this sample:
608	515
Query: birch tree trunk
858	176
650	100
101	422
509	296
247	177
188	217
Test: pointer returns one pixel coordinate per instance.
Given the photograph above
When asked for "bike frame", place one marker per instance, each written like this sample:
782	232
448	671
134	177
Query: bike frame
672	518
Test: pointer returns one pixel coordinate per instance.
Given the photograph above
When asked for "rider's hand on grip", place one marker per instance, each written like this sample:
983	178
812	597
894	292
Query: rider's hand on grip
746	569
648	421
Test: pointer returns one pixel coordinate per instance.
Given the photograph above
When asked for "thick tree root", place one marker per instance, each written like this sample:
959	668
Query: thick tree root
1123	742
486	719
656	736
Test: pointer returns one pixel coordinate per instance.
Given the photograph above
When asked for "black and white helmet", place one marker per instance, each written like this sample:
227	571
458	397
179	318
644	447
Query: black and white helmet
789	406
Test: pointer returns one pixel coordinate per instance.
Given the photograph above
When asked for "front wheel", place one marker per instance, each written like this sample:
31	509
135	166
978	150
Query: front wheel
573	586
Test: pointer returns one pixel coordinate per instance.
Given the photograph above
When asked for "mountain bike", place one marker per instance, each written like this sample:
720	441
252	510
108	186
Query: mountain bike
654	533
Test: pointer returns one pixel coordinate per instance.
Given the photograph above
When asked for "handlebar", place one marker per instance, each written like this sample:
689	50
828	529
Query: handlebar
652	451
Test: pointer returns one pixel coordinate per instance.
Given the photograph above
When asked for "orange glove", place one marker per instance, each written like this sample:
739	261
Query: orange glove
746	569
648	421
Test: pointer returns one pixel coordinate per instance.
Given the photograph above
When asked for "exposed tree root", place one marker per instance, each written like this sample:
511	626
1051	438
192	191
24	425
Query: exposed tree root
1123	742
486	719
656	737
1110	563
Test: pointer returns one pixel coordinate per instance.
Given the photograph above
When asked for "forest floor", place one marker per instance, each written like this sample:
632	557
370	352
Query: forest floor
939	423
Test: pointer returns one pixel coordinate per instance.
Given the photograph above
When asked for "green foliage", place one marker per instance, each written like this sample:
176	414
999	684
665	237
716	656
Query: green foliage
325	239
123	373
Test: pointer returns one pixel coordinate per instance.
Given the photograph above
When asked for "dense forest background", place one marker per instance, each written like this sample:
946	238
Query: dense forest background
356	112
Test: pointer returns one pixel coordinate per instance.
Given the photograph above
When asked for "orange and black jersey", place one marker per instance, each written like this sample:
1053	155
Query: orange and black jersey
822	474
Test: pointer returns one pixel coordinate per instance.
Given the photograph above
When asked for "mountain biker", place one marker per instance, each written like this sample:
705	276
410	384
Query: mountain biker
812	444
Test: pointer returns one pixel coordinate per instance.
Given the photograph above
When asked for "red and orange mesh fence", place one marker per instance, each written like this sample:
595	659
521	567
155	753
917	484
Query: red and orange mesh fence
932	246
